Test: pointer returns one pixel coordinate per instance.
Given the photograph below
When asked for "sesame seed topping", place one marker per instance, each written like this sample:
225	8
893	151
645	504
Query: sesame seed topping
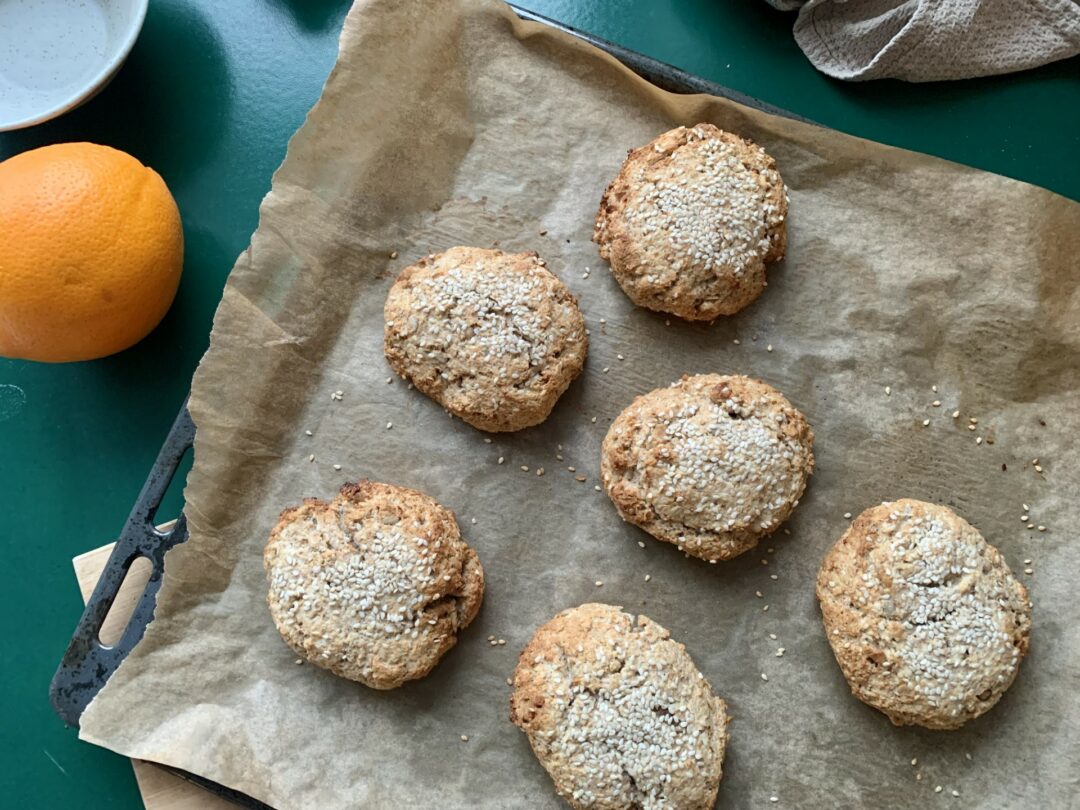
464	737
648	577
936	403
501	460
389	425
764	677
925	422
337	466
847	515
768	348
888	390
524	468
599	583
308	433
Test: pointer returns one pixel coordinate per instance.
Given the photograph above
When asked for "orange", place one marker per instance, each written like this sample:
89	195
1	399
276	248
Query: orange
91	251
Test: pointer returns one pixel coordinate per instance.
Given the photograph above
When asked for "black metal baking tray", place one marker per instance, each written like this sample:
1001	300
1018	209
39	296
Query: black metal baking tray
88	664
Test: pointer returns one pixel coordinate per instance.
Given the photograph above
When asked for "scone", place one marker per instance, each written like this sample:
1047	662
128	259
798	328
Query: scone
691	220
712	464
493	337
373	585
618	714
924	616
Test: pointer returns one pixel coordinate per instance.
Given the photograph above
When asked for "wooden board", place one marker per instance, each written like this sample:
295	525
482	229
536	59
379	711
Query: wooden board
160	789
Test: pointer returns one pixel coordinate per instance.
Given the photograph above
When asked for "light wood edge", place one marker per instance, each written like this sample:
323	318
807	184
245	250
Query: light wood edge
160	789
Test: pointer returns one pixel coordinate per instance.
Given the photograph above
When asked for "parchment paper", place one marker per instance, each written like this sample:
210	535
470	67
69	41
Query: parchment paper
452	122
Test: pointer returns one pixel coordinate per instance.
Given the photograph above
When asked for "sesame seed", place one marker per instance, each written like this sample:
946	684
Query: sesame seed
1038	468
971	427
737	342
389	380
933	388
464	737
593	420
298	661
956	793
308	433
602	320
847	515
579	478
774	799
641	544
1042	528
473	521
937	789
925	422
967	756
956	414
596	487
648	577
780	652
888	390
764	609
389	425
606	369
1024	517
764	677
936	403
393	254
543	233
978	440
509	681
502	642
1027	562
487	440
599	583
759	594
1029	571
524	468
914	761
539	470
768	348
337	466
311	457
620	357
773	576
501	460
772	636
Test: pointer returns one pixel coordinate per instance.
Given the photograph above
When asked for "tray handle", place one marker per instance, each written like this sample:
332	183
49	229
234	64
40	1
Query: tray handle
88	663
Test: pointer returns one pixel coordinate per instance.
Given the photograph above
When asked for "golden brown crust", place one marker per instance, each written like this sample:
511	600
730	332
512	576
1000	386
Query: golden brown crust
710	464
373	585
691	220
493	337
618	714
925	618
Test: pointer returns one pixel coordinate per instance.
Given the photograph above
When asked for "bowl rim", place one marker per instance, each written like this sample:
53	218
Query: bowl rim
94	83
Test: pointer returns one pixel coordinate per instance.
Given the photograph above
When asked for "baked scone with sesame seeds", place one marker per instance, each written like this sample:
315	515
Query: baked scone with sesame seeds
712	463
618	714
691	220
493	337
374	584
924	616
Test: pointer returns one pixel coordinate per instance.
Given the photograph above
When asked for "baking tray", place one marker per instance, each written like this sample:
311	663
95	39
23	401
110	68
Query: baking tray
88	664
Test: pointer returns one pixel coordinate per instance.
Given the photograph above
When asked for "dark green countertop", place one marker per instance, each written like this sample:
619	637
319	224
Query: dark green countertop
209	98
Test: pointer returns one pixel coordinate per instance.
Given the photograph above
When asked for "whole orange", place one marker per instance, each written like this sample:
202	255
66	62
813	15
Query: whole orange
91	251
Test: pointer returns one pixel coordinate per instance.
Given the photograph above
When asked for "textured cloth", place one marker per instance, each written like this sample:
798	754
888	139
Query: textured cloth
930	40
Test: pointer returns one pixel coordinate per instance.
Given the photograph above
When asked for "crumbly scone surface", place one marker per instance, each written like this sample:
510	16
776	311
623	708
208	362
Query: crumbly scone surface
925	618
712	463
493	337
618	714
691	221
374	584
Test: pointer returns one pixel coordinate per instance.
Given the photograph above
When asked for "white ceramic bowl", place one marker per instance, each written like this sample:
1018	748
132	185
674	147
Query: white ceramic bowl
56	54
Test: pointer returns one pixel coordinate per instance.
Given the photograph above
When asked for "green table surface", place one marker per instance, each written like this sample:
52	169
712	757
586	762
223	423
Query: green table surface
209	97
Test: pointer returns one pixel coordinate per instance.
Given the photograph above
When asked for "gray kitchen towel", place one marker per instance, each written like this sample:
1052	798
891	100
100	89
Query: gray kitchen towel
930	40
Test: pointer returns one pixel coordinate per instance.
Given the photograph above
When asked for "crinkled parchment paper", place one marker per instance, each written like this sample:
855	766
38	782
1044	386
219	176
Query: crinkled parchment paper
452	122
